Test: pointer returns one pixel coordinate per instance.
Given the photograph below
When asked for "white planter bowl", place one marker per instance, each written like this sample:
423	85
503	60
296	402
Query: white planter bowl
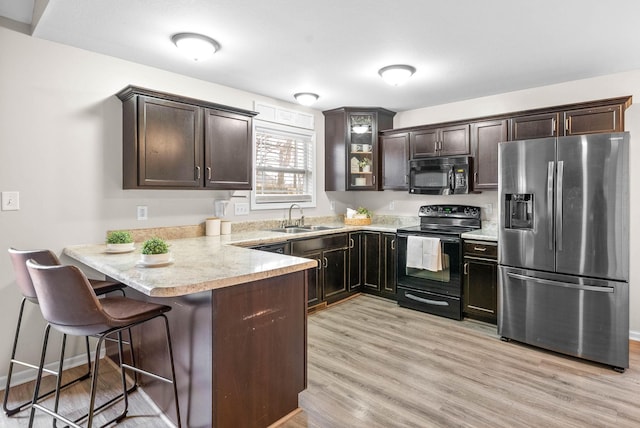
120	248
152	259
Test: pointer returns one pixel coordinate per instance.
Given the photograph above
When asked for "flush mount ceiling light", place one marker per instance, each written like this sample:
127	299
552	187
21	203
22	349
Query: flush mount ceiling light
396	75
306	98
195	46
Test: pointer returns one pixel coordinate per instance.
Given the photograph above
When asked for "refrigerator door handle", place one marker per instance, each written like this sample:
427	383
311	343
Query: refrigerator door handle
559	204
550	168
561	284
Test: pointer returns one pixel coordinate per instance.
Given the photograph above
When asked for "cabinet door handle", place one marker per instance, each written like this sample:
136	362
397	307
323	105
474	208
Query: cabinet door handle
466	269
319	264
374	179
326	263
197	173
209	173
406	179
479	249
566	125
393	244
352	243
475	178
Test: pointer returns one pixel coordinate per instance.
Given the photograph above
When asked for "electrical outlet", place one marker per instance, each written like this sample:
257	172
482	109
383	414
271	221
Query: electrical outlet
142	212
488	209
10	201
333	205
241	208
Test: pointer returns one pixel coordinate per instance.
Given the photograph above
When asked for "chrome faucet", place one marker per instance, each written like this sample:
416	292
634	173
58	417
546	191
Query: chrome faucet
300	221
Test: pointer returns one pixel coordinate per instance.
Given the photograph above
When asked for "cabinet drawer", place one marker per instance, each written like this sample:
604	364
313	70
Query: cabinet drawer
480	249
339	240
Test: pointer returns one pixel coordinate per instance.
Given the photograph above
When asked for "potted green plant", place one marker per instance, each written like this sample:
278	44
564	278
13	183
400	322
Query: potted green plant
119	241
362	216
155	251
362	212
365	164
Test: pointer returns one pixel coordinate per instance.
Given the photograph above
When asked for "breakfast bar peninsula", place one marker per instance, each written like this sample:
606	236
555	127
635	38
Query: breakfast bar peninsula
238	327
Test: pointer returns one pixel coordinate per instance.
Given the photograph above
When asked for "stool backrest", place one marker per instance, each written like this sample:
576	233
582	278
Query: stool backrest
67	300
19	260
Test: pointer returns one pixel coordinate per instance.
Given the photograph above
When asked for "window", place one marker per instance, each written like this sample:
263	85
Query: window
284	163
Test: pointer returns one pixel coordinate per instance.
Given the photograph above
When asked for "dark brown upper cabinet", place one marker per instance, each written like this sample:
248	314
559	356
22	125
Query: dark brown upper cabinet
535	126
480	136
594	120
174	142
395	161
485	137
445	141
352	149
228	150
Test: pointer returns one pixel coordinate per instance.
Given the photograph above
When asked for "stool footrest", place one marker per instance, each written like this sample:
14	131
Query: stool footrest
144	372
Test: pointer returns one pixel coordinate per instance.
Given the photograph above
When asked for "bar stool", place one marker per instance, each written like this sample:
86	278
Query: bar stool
45	257
69	304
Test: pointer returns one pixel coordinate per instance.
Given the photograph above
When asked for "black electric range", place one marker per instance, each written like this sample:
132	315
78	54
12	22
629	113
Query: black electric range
436	291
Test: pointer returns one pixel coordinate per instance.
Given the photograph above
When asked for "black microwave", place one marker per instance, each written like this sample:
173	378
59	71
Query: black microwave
440	175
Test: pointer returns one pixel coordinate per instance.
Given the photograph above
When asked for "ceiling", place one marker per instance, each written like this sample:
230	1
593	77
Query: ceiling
461	49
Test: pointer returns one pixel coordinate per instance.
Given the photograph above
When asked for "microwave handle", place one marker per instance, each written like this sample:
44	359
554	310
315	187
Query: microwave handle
452	183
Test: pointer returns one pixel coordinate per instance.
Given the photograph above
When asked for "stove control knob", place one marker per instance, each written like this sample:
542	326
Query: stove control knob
466	210
428	209
473	212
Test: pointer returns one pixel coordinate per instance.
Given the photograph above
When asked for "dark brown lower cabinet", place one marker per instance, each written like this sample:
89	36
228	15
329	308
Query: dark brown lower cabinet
371	261
480	294
314	288
355	261
240	352
389	265
379	263
329	281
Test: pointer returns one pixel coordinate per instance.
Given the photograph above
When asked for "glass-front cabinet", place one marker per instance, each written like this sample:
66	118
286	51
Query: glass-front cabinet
361	151
352	149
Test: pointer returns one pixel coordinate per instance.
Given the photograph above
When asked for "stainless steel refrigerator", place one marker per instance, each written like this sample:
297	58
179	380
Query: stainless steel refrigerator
564	245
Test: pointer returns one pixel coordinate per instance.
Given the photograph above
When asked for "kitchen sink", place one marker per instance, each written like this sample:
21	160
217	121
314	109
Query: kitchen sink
302	229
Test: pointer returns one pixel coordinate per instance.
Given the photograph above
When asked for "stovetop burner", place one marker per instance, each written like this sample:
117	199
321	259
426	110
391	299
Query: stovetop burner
446	219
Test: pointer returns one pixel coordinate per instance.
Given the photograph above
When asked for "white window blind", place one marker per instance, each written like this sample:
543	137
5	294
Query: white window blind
283	166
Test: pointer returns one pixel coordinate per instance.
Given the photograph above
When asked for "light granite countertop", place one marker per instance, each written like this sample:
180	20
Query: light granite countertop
206	262
489	232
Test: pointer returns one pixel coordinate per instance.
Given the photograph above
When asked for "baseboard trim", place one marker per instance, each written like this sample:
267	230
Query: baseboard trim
634	335
27	375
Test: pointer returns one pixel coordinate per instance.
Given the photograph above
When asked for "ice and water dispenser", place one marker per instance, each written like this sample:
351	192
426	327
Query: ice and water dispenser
518	211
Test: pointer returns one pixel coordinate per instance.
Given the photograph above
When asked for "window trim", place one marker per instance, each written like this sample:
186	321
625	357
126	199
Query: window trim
311	134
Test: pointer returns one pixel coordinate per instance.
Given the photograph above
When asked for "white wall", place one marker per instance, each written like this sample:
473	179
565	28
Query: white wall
61	148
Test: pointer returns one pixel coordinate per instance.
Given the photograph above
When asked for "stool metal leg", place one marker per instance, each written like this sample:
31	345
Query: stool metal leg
173	370
36	389
12	411
94	380
12	360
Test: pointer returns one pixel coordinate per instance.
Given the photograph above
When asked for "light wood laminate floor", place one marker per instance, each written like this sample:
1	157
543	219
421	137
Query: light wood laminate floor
373	364
75	399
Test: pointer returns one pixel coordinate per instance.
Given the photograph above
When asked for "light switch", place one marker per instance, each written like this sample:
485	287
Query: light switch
10	201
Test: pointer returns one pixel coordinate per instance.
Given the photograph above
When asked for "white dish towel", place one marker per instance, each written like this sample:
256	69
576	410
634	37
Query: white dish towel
424	253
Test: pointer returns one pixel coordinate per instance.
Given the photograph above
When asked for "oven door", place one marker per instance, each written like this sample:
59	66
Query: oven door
431	177
446	281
